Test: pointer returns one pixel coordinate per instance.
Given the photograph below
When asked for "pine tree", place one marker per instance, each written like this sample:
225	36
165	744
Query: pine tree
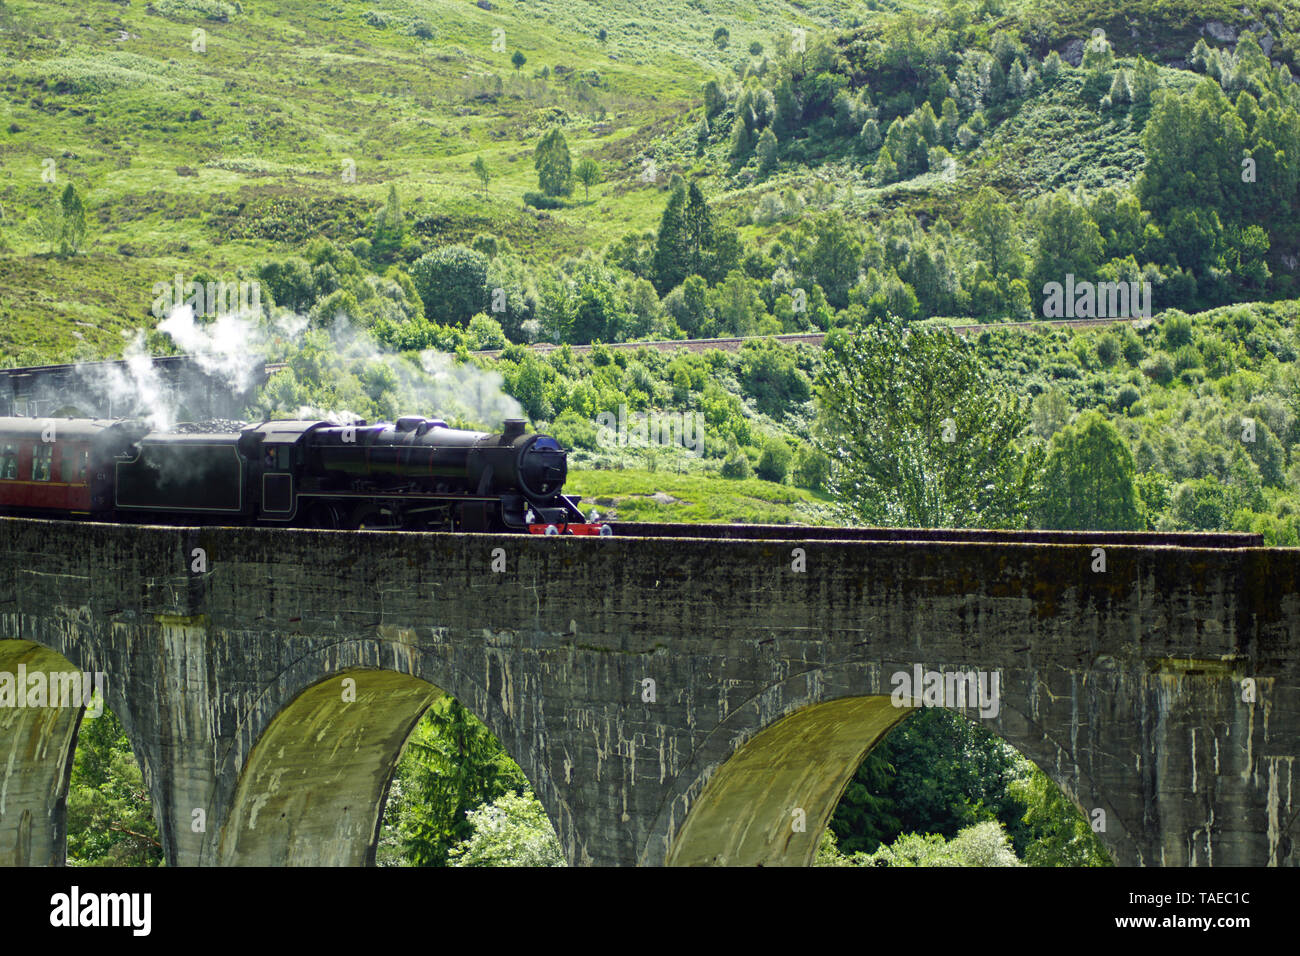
670	266
698	230
767	152
870	135
1120	91
1016	83
1052	67
885	171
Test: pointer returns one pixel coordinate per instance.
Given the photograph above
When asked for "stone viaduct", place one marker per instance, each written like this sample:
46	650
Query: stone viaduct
268	695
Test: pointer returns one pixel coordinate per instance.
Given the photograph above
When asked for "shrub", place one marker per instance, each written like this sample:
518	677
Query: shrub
1126	397
1177	328
215	10
812	468
542	201
774	463
736	464
1160	369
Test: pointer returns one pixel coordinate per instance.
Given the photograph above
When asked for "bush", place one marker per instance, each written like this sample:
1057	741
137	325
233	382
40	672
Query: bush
812	468
1108	349
1177	329
214	10
572	430
542	201
774	463
1126	397
485	333
1160	369
736	464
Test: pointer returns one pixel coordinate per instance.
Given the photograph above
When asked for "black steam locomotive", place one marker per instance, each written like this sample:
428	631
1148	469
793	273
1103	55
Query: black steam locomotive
415	474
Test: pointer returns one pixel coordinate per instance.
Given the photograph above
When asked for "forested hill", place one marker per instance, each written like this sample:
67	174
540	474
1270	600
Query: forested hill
627	170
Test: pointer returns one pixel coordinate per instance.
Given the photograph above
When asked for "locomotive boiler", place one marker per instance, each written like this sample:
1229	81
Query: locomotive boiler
415	473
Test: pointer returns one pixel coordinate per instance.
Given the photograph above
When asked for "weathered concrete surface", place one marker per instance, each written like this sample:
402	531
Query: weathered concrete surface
1126	687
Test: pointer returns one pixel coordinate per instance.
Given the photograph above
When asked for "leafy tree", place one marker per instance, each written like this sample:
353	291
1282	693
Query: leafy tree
919	434
110	815
452	282
518	59
587	172
73	226
1088	481
833	261
721	38
62	223
1193	145
553	165
451	765
1066	241
512	830
992	227
774	462
482	172
1062	836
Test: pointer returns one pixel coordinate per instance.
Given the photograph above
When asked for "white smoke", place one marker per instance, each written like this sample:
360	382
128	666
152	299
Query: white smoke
226	348
134	388
234	348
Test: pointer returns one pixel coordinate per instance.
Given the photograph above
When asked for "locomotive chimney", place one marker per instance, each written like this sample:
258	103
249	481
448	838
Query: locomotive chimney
513	428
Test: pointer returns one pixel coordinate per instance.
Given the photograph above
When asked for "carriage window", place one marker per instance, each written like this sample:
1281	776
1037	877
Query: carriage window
75	464
9	463
42	456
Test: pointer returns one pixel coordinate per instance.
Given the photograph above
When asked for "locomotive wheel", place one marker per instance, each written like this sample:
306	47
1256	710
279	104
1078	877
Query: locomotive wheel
325	516
369	515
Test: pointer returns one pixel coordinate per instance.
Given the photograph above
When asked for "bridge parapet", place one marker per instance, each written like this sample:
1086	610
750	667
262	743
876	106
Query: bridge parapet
626	673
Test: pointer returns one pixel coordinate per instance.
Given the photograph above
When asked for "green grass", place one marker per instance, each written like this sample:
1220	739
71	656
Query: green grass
180	152
628	495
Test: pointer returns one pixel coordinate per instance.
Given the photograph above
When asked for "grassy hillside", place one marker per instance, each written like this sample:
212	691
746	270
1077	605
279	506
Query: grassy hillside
205	161
204	153
638	495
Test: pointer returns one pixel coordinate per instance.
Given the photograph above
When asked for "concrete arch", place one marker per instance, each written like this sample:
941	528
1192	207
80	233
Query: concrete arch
313	789
768	804
36	750
313	784
737	807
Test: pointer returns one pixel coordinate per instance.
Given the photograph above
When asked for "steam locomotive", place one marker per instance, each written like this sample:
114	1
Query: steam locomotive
415	474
